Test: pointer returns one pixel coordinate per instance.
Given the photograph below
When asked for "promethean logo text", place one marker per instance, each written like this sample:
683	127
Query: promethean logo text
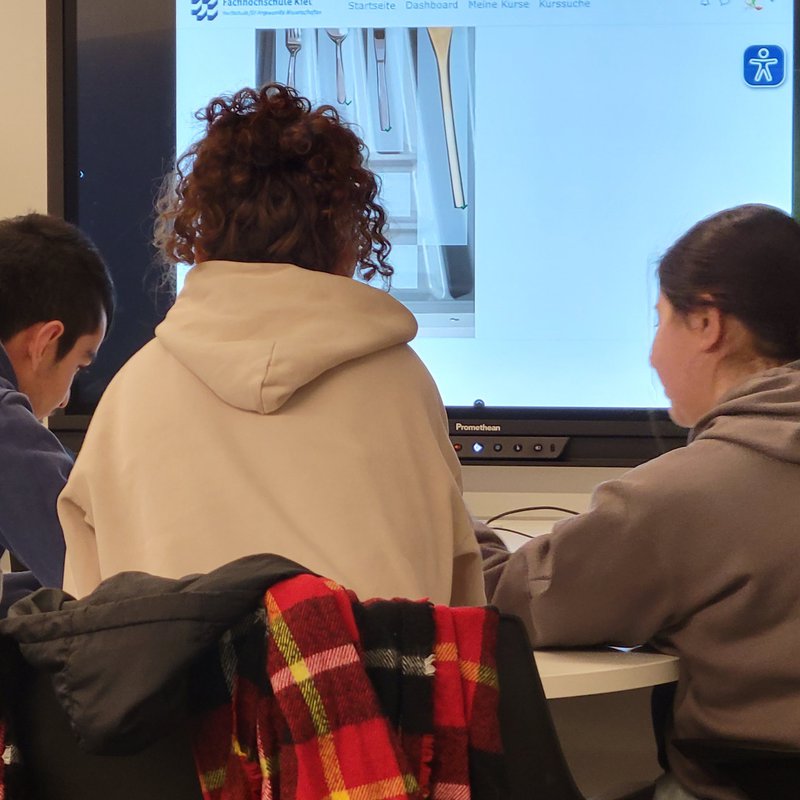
460	426
204	9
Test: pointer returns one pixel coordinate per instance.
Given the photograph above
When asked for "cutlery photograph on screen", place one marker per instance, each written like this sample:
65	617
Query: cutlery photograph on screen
408	93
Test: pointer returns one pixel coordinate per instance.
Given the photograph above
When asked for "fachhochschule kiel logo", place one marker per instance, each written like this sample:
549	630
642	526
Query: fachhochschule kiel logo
205	10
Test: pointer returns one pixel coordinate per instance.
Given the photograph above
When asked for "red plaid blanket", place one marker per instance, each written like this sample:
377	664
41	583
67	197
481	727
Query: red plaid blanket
325	719
12	786
12	776
2	759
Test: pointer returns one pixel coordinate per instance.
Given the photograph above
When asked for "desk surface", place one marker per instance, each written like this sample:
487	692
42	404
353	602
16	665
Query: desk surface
574	673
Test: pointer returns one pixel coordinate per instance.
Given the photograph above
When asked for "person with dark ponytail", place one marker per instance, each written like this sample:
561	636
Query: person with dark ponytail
695	552
280	408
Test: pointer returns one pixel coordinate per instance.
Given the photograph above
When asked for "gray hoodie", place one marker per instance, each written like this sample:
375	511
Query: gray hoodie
695	552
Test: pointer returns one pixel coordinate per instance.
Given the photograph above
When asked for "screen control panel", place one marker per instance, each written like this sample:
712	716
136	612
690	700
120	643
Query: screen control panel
479	447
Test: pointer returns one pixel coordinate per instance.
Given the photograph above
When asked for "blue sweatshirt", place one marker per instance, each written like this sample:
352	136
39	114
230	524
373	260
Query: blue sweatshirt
34	468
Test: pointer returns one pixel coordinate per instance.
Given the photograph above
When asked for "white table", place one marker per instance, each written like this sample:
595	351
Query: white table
575	673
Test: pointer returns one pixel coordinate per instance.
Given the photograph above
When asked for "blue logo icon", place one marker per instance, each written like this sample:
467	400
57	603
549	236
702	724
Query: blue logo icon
205	9
764	65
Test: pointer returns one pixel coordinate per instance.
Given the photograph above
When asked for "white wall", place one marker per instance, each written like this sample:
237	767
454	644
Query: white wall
23	115
23	121
23	107
493	490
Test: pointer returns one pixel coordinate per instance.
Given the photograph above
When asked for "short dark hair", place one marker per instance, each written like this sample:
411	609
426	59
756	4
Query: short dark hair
51	270
745	261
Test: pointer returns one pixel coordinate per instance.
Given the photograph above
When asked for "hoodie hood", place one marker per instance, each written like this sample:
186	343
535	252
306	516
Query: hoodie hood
762	414
256	333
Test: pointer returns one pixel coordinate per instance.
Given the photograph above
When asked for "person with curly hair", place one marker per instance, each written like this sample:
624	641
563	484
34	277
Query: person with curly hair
279	408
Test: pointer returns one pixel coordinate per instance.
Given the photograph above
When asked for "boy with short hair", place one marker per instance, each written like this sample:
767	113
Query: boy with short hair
56	304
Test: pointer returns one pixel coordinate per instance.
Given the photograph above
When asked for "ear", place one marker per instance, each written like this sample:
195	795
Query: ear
707	323
43	341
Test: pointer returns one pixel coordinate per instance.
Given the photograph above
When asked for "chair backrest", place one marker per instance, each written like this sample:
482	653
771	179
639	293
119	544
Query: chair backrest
59	770
535	762
761	773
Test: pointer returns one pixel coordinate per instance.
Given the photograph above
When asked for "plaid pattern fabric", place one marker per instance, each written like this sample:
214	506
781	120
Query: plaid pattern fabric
12	775
468	760
388	700
236	730
327	700
13	785
398	638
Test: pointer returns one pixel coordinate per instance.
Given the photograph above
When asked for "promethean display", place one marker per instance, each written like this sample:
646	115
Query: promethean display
536	160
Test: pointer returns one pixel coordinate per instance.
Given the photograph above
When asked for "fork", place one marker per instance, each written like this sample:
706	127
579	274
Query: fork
337	36
293	45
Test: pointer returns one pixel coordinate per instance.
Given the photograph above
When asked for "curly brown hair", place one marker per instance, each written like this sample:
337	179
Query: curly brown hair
274	180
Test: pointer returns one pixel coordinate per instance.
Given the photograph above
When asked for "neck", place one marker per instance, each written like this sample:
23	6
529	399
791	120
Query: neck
734	372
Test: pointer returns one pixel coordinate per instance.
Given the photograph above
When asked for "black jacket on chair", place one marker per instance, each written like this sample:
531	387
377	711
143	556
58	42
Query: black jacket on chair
109	673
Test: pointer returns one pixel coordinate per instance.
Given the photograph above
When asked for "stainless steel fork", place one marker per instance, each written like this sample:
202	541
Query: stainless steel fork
293	45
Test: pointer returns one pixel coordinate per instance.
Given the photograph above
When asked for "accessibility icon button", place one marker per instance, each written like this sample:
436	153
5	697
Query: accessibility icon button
764	65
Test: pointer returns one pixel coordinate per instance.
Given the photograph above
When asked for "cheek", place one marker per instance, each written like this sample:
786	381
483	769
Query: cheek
655	351
65	380
662	362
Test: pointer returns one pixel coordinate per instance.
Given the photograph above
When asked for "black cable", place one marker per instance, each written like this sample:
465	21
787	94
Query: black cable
531	508
519	533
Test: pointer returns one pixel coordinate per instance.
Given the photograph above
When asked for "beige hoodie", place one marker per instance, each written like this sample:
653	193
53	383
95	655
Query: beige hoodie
277	410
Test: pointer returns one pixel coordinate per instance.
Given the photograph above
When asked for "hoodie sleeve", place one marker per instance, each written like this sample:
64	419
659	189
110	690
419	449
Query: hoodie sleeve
14	586
33	470
597	578
82	563
467	582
